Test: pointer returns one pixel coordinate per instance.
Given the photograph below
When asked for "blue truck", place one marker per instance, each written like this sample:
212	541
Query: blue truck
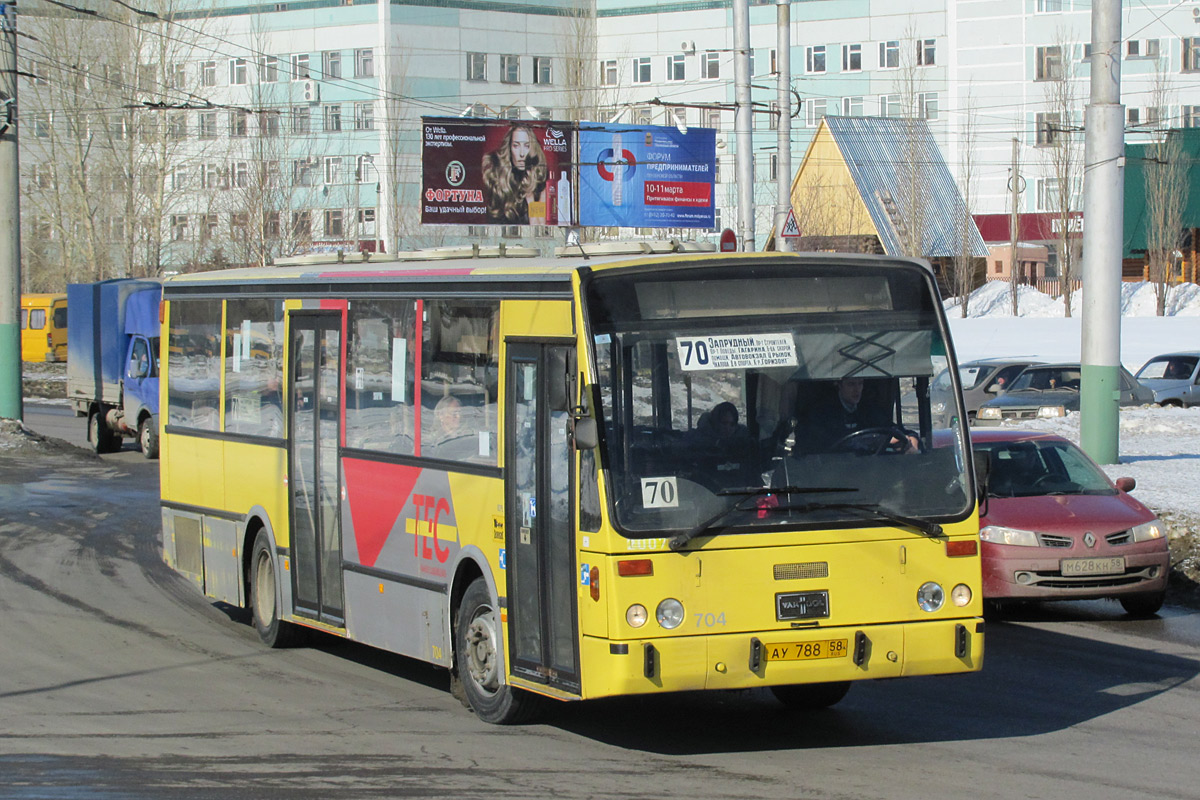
112	361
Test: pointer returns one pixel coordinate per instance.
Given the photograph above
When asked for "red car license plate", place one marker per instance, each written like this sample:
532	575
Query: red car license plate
1092	566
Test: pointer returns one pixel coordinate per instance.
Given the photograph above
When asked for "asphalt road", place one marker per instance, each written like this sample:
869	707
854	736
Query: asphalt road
118	680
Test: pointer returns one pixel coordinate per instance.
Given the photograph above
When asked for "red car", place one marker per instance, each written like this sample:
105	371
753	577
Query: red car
1056	528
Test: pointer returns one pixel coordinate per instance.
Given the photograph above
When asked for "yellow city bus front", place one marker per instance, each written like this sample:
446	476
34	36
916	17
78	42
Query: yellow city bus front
772	504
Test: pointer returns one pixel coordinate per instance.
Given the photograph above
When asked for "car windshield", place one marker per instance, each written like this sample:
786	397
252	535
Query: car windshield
1047	379
1168	368
1027	468
715	394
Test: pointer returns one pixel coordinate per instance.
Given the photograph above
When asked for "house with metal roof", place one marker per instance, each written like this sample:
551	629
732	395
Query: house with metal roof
880	184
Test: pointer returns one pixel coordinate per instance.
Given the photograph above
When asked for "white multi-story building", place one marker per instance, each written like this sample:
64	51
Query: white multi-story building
295	126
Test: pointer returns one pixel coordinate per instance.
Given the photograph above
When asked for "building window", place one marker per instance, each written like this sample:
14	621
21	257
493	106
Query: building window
1050	6
1047	194
210	176
641	70
335	227
927	105
851	58
364	62
889	105
41	125
713	119
1154	114
268	69
1191	54
366	221
675	68
241	174
642	115
302	224
363	167
333	118
510	69
1190	115
208	124
364	116
1133	117
268	124
926	52
543	70
179	227
814	59
301	119
814	112
304	172
300	67
852	106
710	66
1049	63
477	66
1049	125
331	64
773	117
208	73
239	223
889	54
774	168
239	124
608	72
237	72
176	76
333	169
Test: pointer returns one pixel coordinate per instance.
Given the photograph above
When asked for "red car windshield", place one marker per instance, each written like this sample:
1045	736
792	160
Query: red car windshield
1025	468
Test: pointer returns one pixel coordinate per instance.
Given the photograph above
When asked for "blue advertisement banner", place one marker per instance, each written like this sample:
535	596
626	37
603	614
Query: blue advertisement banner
646	176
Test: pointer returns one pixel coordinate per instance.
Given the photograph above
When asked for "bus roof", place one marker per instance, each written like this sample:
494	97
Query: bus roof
39	299
553	274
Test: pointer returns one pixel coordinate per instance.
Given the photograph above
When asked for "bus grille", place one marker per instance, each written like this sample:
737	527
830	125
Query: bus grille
813	569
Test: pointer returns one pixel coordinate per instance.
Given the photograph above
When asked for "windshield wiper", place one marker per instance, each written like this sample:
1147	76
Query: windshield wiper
921	526
680	541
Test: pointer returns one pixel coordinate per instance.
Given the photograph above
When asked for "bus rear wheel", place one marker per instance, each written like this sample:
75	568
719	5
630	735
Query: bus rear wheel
477	656
264	594
811	696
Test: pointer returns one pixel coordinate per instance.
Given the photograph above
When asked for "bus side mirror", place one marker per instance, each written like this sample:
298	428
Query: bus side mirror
586	434
983	471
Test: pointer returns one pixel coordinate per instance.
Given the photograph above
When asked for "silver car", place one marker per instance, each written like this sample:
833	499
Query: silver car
981	379
1173	377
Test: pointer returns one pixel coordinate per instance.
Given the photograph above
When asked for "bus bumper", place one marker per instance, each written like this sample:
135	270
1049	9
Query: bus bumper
749	660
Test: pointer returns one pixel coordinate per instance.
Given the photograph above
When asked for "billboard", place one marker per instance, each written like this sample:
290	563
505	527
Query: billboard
646	176
496	172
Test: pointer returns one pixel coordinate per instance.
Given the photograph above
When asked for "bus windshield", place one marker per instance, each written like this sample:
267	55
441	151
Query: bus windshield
777	396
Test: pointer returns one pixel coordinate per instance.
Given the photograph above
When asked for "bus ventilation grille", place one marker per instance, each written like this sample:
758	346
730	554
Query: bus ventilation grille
813	569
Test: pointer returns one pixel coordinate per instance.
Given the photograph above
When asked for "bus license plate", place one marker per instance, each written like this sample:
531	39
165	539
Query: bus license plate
804	651
1093	566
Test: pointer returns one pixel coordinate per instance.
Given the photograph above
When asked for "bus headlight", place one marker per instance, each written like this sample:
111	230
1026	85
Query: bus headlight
669	613
1052	411
960	595
931	597
636	616
1148	531
987	413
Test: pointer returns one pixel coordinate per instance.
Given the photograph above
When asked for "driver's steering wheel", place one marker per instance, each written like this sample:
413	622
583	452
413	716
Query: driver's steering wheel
881	439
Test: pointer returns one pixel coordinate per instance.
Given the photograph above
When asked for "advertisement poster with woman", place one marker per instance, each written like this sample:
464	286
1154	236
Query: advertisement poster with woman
497	172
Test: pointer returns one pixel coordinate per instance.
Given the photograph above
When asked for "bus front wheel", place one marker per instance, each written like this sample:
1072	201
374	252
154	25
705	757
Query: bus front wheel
477	656
811	696
264	594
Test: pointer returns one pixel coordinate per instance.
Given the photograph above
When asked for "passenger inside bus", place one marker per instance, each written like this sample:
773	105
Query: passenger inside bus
451	439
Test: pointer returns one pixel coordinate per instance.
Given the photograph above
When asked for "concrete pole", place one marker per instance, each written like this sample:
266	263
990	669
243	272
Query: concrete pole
783	65
10	223
1103	215
742	124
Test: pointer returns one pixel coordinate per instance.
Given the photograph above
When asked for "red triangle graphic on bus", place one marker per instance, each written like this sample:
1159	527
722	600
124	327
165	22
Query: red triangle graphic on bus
377	493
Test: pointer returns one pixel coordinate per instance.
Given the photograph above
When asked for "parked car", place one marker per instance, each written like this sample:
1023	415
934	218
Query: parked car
1051	390
1173	377
981	380
1054	527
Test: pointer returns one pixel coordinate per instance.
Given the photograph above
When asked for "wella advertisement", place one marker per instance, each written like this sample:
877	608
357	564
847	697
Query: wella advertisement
646	176
496	172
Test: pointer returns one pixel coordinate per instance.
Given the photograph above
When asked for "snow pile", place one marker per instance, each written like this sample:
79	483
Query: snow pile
994	299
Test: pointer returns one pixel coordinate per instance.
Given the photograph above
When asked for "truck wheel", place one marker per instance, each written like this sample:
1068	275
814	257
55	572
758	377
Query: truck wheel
264	594
148	437
101	437
479	665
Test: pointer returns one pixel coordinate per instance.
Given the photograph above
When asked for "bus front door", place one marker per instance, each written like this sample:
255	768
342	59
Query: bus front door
540	530
315	402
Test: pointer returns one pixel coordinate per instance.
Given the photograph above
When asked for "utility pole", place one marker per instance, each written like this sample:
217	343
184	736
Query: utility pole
1103	215
783	167
742	126
10	223
1014	223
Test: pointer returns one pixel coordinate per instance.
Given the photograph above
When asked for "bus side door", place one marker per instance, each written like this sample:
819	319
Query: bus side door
543	631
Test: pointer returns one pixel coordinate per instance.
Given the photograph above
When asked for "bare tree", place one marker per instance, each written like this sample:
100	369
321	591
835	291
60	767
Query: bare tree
909	84
1056	131
964	263
1166	171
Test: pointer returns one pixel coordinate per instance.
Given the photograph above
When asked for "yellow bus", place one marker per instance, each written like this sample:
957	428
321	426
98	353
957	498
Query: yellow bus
525	470
43	327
